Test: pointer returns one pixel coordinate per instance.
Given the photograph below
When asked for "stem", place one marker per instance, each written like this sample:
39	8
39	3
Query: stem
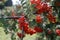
22	33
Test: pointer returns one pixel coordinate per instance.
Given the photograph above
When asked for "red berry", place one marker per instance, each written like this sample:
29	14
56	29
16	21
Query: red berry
40	11
27	31
58	32
38	19
21	19
31	31
49	31
49	8
44	5
24	25
20	35
20	26
35	1
51	18
39	6
40	30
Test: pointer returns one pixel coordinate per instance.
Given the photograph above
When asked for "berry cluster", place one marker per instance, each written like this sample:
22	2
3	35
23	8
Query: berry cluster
41	8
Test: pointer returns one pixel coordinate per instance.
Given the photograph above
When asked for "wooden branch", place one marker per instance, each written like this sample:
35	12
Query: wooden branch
10	17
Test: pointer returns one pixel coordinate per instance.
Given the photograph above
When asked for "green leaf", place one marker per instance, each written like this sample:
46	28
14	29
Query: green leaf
32	23
23	3
13	37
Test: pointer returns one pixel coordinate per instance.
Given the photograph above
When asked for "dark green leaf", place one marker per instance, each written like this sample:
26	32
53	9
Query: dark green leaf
23	3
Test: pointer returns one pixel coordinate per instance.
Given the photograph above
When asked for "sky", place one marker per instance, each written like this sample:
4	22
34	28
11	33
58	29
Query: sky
15	2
